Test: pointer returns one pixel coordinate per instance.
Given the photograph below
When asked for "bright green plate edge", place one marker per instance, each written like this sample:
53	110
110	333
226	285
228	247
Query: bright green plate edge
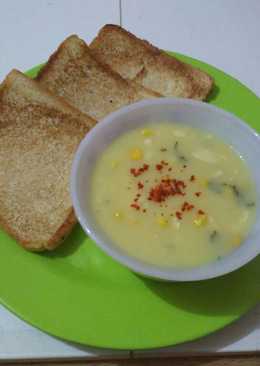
79	294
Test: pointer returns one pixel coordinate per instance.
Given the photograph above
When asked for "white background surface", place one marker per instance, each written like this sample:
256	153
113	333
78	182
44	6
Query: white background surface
30	30
224	33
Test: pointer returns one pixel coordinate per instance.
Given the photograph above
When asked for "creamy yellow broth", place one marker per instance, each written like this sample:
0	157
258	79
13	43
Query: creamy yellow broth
172	195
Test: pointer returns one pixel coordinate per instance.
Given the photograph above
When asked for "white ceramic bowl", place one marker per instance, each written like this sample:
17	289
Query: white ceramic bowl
196	114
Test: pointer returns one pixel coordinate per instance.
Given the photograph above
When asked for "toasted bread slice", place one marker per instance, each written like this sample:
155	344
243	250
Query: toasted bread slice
138	60
73	73
39	134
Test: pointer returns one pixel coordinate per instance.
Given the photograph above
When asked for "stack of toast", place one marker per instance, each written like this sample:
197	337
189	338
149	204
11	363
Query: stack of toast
42	122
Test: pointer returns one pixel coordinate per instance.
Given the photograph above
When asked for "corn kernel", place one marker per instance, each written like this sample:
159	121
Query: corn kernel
162	222
136	154
118	215
147	132
200	220
114	164
204	182
236	240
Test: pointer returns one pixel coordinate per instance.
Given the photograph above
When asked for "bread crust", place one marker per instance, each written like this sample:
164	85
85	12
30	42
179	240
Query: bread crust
149	66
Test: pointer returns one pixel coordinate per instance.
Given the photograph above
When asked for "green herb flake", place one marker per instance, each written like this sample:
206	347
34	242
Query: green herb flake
181	157
213	235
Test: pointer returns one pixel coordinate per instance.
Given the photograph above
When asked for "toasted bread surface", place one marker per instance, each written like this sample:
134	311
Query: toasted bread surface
93	87
39	134
138	60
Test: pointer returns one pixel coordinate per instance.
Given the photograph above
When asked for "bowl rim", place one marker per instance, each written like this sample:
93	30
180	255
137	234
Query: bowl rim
191	274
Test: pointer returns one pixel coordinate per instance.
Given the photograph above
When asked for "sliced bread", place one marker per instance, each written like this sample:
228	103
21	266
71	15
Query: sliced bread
138	60
39	134
94	88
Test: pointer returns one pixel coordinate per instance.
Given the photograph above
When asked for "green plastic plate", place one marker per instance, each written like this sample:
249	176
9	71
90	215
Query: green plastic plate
80	294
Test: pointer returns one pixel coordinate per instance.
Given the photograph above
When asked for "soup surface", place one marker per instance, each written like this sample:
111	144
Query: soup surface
172	195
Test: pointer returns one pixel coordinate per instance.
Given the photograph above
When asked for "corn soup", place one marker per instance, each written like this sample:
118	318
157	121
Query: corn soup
173	196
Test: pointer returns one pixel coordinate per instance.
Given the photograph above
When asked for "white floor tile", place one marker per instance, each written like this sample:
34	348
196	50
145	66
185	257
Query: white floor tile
31	30
224	33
